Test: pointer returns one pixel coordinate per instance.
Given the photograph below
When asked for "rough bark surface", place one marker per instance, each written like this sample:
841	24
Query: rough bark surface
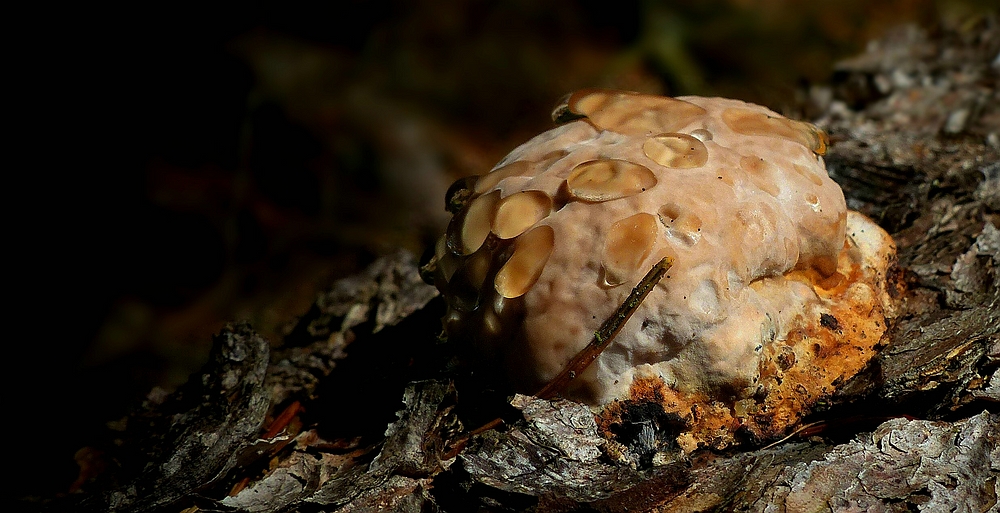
177	448
916	128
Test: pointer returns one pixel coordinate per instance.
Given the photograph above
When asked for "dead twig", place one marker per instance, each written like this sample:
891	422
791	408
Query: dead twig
602	339
608	331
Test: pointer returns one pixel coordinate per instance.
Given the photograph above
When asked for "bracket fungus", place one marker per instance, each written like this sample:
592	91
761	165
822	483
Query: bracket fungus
776	294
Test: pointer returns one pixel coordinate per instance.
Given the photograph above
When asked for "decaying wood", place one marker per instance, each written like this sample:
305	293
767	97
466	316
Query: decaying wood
915	123
196	436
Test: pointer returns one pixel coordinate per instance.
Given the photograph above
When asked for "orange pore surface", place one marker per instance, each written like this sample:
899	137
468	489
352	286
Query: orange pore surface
825	347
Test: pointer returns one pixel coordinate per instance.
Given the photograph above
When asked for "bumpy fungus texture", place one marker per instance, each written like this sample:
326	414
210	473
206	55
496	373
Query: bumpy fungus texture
776	292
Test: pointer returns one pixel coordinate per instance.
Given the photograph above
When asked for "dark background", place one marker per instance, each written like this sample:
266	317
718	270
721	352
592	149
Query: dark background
186	166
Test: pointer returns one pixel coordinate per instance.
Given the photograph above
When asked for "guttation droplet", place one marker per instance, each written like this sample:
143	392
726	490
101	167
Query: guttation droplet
521	271
628	244
609	179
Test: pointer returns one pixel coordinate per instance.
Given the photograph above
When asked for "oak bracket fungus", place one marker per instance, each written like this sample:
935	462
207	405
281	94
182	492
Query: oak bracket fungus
764	258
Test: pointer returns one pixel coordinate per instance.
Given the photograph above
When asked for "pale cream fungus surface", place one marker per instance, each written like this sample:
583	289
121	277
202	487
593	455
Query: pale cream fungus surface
776	291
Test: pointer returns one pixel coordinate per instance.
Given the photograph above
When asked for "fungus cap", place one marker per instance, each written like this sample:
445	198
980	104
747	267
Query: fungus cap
737	196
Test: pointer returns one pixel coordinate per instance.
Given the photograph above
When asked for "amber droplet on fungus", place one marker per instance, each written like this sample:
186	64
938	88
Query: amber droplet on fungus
476	223
749	122
520	211
760	174
477	267
606	180
492	179
633	113
682	224
628	243
531	252
813	177
446	264
676	150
